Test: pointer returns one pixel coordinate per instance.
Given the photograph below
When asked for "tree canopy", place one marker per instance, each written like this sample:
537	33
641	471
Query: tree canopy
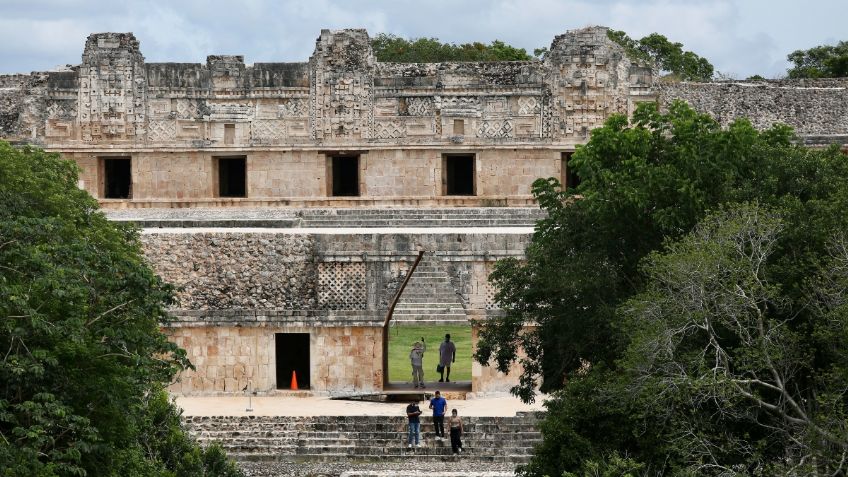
668	56
391	48
825	61
686	303
84	363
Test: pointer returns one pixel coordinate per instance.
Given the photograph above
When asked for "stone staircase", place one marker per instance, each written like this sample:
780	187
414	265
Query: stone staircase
331	217
429	298
453	217
363	438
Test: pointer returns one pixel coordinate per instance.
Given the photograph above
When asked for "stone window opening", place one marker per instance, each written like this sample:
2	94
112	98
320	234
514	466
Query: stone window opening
458	174
292	358
570	179
116	174
459	127
229	133
344	176
232	176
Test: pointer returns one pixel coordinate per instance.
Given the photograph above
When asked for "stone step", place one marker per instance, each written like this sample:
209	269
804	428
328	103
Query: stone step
327	457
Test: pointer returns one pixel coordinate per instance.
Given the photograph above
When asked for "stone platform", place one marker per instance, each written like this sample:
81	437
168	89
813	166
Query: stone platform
316	436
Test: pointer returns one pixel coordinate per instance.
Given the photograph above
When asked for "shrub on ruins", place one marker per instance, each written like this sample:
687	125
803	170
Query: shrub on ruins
824	61
83	360
391	48
669	56
686	303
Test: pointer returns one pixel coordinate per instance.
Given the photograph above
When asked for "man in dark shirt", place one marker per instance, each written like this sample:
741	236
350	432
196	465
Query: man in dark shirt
412	413
438	404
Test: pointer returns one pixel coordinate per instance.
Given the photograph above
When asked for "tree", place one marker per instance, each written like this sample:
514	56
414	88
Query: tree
668	56
84	361
391	48
825	61
718	328
578	307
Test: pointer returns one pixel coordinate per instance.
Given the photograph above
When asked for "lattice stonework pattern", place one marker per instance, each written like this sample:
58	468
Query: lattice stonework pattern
529	105
268	129
389	129
341	286
495	129
489	289
161	130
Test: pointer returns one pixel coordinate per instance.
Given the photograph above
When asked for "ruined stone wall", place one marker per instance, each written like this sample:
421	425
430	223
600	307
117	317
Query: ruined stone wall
242	271
816	109
236	289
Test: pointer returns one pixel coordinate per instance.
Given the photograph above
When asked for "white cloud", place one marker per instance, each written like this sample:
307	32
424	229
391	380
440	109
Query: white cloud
739	36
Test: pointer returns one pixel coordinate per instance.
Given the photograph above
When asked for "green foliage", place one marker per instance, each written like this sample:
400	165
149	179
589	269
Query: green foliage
81	311
682	297
825	61
668	56
391	48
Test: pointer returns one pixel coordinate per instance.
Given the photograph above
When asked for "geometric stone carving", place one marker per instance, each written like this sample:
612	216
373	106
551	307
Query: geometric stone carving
495	129
161	130
389	129
269	129
292	108
496	107
186	109
460	105
529	105
59	109
341	286
419	106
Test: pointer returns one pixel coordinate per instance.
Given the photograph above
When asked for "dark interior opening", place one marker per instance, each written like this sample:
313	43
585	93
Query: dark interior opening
292	351
118	178
570	178
345	175
232	177
459	175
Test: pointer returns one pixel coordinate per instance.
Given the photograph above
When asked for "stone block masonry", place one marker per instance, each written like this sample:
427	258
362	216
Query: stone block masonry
238	289
347	168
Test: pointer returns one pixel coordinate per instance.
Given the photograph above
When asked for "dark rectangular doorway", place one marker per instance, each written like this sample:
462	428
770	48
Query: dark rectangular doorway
459	174
117	178
232	177
292	352
345	176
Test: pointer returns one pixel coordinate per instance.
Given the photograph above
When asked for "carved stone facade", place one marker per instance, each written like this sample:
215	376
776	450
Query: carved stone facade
297	115
342	142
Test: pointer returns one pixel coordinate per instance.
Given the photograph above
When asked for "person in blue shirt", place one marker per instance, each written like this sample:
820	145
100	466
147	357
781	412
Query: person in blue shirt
439	404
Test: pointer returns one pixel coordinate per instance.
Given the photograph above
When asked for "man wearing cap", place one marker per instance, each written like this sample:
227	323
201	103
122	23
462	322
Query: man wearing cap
416	357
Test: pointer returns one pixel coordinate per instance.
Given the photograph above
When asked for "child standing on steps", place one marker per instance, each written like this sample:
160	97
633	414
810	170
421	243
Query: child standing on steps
455	432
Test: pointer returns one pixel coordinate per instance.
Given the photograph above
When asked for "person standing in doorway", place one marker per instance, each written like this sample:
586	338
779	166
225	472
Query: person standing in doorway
456	431
412	413
439	404
416	357
447	355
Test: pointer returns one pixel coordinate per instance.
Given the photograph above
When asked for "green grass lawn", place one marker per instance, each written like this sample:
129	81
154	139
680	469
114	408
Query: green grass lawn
401	339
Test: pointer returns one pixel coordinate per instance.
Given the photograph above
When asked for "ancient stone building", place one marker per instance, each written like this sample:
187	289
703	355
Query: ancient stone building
289	201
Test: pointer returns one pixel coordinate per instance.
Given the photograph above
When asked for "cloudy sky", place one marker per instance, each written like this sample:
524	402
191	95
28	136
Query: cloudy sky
740	37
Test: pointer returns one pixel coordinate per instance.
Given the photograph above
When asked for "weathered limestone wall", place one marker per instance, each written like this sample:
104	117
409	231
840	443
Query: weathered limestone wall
236	289
342	359
236	271
816	109
487	379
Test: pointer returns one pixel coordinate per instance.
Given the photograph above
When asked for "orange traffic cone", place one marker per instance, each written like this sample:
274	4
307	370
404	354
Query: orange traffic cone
294	381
